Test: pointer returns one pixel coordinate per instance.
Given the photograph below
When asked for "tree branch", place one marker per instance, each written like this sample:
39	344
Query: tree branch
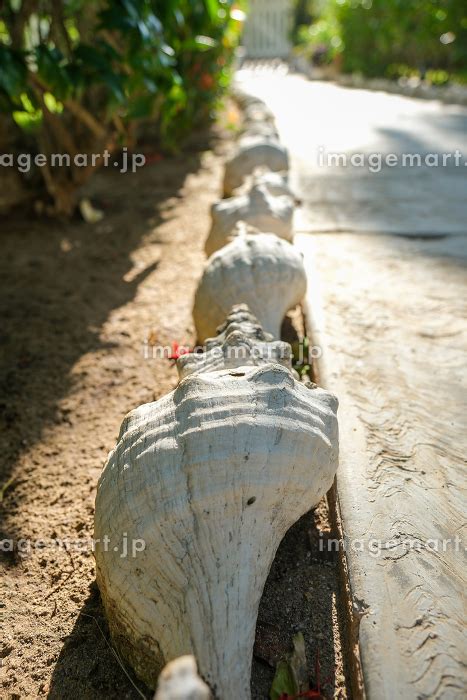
76	109
56	122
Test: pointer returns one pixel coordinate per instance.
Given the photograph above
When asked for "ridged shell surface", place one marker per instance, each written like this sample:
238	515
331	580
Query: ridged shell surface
258	120
210	478
253	152
262	271
275	183
258	112
240	341
264	129
259	208
245	99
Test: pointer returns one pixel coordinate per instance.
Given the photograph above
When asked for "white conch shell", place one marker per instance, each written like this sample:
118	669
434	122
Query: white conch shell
264	129
240	341
179	680
246	99
253	152
276	183
260	270
210	477
258	120
258	112
259	208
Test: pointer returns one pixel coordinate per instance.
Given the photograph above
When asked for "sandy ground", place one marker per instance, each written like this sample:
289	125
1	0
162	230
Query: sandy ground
77	303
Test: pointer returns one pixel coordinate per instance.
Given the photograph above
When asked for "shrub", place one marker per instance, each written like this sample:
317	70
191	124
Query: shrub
376	35
422	34
78	76
321	40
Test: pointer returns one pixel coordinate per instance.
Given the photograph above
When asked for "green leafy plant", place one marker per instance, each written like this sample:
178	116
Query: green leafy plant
321	40
79	76
374	36
301	357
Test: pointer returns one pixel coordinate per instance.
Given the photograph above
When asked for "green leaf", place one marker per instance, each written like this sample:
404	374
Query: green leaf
178	94
132	9
142	107
284	682
298	662
205	42
292	672
94	59
115	85
50	69
114	18
28	122
13	72
212	7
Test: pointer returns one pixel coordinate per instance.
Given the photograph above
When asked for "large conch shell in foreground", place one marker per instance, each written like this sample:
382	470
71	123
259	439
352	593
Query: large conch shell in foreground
210	478
259	208
253	152
179	680
260	270
239	341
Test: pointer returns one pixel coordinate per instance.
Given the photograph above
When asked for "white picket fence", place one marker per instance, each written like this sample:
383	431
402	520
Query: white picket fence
267	28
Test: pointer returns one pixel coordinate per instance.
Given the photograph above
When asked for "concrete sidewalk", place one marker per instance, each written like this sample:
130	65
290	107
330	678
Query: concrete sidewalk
316	119
387	263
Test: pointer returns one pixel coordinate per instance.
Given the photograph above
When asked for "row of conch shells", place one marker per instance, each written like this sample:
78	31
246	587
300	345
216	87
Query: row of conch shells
253	152
259	208
210	478
260	270
257	147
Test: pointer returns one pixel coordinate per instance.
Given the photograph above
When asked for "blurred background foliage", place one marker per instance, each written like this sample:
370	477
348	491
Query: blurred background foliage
386	38
79	76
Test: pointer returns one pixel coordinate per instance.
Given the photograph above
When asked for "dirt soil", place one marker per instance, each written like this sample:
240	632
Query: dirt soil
78	302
